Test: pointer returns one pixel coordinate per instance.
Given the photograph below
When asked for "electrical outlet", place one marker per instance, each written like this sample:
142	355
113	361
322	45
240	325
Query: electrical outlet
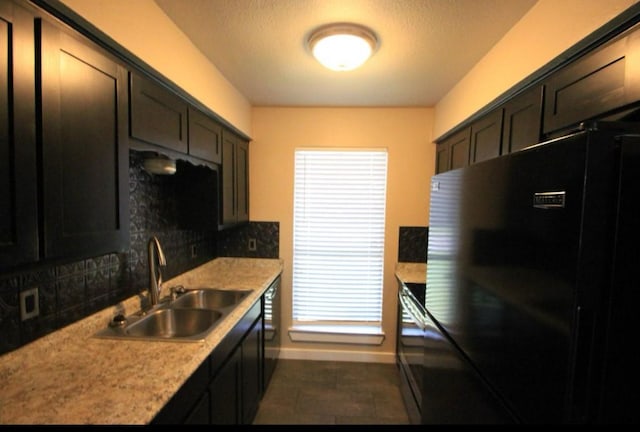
252	244
194	251
29	304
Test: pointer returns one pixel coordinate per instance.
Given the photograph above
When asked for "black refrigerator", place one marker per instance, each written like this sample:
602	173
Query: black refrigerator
532	291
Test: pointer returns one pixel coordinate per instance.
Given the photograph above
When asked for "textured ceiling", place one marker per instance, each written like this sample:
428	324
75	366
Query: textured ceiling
426	46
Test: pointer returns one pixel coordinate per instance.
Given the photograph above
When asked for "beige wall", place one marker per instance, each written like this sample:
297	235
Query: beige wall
405	132
548	29
144	29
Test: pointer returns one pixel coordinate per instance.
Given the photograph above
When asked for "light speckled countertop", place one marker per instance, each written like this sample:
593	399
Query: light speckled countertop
71	377
411	272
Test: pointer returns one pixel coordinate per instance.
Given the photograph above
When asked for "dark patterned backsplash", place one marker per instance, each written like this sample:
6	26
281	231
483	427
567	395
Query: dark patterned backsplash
412	244
172	208
181	210
235	242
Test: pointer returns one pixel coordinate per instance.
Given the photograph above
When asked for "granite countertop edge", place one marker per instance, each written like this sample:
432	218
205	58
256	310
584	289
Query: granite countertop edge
411	272
71	377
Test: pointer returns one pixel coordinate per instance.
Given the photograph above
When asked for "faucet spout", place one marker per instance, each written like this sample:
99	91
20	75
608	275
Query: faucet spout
156	261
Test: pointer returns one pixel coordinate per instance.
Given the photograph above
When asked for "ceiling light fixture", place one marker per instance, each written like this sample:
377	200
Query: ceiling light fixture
342	47
159	164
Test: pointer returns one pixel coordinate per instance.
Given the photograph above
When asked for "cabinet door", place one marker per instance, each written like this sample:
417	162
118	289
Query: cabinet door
190	404
199	415
486	136
459	145
235	180
224	391
84	149
252	372
228	212
600	82
442	157
242	181
18	185
205	137
157	116
522	120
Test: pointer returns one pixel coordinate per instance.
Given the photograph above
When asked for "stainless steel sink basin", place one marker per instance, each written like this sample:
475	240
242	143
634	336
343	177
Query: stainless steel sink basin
175	323
188	318
208	298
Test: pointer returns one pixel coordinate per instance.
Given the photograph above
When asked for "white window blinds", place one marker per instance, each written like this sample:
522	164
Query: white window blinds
338	250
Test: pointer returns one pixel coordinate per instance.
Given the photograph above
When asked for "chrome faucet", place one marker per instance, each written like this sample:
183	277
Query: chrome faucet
156	260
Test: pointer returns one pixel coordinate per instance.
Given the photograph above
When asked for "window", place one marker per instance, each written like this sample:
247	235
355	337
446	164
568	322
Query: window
338	240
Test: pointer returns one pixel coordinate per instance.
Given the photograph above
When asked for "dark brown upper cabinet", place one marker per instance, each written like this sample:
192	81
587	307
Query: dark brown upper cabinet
522	120
158	116
453	152
457	147
18	168
442	157
600	82
235	181
84	146
486	136
205	137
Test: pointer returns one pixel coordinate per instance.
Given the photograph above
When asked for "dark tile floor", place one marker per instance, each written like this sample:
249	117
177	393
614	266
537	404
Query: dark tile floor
329	392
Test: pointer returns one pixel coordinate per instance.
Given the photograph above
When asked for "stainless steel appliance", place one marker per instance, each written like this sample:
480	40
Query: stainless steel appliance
409	345
271	329
532	285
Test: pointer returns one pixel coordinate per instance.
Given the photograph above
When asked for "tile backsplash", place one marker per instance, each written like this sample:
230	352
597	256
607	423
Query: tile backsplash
235	242
412	244
183	217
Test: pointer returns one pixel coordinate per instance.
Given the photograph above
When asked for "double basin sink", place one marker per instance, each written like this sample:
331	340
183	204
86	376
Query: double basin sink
189	317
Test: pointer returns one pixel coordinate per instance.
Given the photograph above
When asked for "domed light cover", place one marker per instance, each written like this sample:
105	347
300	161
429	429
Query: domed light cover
342	47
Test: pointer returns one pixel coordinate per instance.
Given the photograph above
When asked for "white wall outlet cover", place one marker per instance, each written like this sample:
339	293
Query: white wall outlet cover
29	304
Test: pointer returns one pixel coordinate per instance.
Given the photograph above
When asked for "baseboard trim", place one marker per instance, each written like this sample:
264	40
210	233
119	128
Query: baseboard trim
337	355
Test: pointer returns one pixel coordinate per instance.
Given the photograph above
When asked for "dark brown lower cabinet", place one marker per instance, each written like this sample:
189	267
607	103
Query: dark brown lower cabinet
227	387
200	413
251	378
225	392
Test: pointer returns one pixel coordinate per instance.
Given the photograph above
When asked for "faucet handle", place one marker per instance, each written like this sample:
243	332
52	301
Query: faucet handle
176	291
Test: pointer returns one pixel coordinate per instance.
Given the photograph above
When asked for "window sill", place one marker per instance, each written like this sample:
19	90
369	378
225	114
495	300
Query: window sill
353	335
